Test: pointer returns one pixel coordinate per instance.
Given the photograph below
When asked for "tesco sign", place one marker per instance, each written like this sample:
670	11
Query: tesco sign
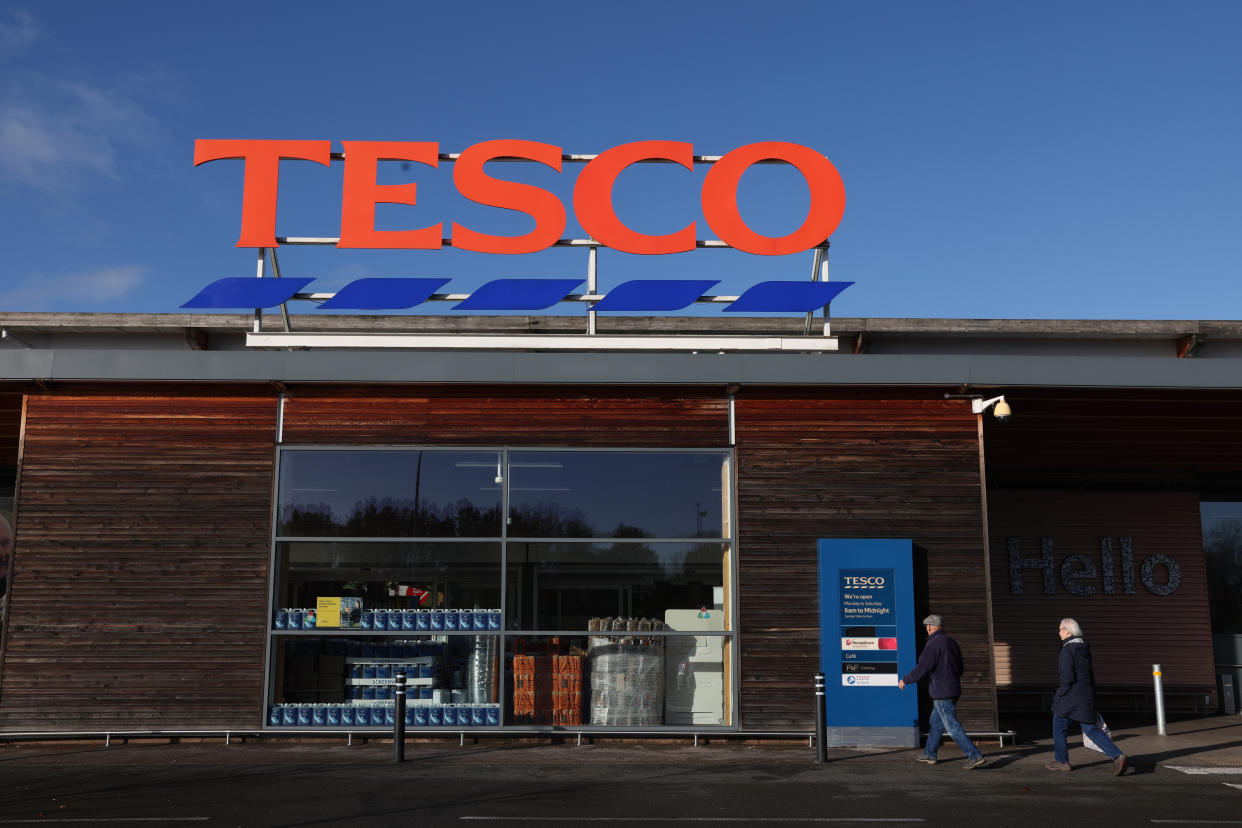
592	196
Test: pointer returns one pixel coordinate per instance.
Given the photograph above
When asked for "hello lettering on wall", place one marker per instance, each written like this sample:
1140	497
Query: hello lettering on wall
1077	573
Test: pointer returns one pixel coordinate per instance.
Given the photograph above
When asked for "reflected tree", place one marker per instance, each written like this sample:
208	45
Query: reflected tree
548	520
392	517
308	520
1222	546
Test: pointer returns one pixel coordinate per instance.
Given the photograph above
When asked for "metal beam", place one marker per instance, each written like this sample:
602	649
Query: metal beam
535	342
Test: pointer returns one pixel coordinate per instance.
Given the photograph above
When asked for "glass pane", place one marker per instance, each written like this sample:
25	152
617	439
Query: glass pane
373	494
561	586
321	681
617	494
403	576
619	680
1222	546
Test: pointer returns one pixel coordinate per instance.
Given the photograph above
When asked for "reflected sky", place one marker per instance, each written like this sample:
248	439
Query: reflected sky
624	494
552	493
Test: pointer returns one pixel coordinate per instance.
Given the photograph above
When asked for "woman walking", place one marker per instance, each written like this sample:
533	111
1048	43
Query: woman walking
1075	700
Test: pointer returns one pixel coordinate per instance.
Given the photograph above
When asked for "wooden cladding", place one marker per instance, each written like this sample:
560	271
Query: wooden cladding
139	589
1093	467
1113	534
817	465
1120	435
453	415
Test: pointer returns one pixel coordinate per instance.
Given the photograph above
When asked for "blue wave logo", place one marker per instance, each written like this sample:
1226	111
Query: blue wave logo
635	296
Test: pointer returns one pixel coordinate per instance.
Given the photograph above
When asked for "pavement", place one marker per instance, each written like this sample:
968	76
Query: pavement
1213	740
1190	776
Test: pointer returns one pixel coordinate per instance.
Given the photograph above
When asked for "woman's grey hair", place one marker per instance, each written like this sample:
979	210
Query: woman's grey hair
1071	627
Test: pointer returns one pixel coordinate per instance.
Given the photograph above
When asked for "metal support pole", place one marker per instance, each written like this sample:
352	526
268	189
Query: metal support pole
1158	679
817	263
284	306
823	277
592	285
821	724
398	720
259	267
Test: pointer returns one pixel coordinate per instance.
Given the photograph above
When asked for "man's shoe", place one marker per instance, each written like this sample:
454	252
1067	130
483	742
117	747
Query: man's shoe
924	758
1058	766
977	762
1119	765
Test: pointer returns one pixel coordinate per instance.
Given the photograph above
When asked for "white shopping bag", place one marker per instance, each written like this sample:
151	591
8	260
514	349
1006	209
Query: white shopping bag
1087	741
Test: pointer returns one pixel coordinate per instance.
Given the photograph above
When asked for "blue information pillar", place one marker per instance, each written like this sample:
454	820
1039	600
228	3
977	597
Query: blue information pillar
866	628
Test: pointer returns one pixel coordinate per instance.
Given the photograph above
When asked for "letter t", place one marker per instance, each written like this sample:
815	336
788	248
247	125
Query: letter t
262	178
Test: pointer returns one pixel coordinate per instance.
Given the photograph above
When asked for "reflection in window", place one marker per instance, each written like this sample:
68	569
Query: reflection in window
617	494
560	586
396	494
455	576
408	556
1222	546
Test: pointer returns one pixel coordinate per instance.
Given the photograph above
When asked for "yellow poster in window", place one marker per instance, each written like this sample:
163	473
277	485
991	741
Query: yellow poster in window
328	611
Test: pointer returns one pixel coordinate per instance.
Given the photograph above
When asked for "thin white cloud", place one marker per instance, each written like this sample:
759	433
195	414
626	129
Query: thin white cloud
62	131
95	287
56	135
17	33
49	152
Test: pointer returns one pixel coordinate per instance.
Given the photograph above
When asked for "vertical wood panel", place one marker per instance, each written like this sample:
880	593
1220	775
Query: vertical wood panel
896	465
139	583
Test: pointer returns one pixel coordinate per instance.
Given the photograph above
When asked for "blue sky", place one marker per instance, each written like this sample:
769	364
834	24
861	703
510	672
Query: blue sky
1000	159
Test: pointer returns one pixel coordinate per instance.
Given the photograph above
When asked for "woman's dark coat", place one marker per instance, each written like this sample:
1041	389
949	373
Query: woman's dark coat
1075	697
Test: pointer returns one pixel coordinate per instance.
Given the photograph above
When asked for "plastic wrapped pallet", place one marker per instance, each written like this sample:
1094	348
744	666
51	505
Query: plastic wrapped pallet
627	685
481	669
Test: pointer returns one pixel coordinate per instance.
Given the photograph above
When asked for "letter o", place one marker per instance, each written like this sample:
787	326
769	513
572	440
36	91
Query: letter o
720	198
1149	581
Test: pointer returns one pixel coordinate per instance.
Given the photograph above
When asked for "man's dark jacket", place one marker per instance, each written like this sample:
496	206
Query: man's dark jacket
942	660
1075	697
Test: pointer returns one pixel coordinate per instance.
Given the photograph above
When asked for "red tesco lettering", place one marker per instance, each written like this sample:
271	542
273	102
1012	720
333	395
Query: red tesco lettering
592	196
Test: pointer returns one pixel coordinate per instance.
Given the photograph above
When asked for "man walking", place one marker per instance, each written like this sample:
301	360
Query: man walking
941	660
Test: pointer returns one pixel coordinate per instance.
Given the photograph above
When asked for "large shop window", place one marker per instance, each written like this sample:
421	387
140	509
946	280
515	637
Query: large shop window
515	588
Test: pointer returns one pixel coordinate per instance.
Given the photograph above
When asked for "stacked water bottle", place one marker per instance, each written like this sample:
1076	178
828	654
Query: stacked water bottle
403	620
383	714
295	619
432	620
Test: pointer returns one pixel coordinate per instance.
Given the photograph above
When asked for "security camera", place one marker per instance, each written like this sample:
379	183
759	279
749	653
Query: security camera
1001	412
